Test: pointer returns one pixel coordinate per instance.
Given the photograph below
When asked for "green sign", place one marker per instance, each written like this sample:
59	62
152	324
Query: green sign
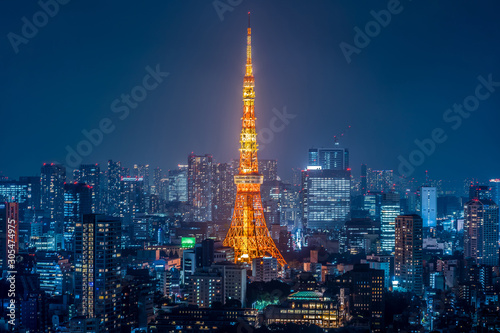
188	242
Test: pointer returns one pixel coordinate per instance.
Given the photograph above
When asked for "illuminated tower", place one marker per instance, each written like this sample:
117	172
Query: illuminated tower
248	235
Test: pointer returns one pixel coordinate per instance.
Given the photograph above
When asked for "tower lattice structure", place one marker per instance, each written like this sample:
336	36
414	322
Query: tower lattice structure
248	234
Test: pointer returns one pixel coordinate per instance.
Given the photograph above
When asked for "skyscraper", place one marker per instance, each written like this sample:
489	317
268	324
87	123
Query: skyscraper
429	206
335	158
390	209
97	272
157	183
495	190
480	192
327	201
364	184
178	184
53	177
90	175
115	174
142	171
380	180
248	234
408	264
200	187
481	231
131	198
365	294
224	192
77	201
269	169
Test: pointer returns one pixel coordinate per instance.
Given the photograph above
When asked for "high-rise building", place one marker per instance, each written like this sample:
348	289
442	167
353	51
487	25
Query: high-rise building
115	173
224	192
142	171
131	198
429	206
481	192
495	190
269	169
336	158
77	201
364	183
200	187
364	294
53	177
481	231
97	272
25	191
327	198
361	235
90	175
235	281
380	180
9	234
248	234
408	264
178	184
157	183
372	203
390	209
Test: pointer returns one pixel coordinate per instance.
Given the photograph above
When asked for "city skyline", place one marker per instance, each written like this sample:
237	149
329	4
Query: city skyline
299	82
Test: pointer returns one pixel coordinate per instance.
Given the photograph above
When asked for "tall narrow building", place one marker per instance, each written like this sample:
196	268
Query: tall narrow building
200	187
53	177
481	231
248	234
429	206
390	209
408	264
97	272
90	174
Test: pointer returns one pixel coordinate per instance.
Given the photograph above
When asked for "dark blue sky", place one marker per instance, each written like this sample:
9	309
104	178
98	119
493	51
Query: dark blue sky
396	90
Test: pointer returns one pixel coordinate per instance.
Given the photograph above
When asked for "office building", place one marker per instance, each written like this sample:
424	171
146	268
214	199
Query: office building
429	206
390	209
408	264
494	185
361	235
132	200
380	180
142	171
336	158
178	184
326	198
77	201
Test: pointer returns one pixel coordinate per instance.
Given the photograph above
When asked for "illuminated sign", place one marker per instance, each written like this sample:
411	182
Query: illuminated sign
314	167
188	242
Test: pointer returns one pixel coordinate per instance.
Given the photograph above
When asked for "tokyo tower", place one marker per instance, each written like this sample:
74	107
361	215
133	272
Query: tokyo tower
248	234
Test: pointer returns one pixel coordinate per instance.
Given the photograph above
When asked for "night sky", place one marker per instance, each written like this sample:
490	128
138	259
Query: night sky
396	89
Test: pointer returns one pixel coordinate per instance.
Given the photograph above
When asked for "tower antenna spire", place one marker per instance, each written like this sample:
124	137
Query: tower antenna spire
248	234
